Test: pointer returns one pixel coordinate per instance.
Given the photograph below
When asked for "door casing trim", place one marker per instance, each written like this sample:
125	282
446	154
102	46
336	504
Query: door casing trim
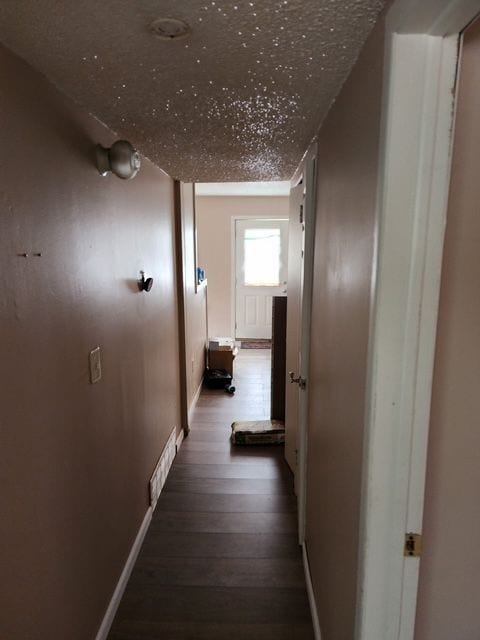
415	160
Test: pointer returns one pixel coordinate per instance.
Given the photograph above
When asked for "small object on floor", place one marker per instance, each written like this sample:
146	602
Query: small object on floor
217	378
258	432
221	344
230	389
260	343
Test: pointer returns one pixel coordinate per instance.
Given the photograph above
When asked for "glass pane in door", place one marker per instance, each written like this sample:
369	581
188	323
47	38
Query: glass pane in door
262	257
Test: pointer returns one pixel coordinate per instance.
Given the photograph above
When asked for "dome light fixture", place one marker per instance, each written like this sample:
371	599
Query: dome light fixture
169	28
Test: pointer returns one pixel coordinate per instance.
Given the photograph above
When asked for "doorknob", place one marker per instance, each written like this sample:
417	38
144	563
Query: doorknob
302	383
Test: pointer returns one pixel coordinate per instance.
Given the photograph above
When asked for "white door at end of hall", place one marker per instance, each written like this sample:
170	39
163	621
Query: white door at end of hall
296	243
261	255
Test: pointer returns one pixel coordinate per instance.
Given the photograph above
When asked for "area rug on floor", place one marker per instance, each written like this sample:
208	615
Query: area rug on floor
256	344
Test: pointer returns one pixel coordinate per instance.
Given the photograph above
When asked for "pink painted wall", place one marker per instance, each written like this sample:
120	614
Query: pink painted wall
76	458
449	593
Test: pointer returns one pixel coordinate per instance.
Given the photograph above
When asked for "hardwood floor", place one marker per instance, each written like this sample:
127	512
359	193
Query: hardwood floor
221	560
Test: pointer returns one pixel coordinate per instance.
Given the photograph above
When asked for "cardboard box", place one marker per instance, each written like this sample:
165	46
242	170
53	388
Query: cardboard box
222	359
221	344
258	432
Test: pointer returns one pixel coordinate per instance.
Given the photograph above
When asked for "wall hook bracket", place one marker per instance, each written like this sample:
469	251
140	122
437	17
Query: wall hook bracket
145	284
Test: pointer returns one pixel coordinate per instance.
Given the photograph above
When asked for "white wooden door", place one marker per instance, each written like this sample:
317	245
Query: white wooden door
261	257
306	289
295	272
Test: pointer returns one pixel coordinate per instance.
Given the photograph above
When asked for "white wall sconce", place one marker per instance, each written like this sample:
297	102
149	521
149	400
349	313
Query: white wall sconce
121	158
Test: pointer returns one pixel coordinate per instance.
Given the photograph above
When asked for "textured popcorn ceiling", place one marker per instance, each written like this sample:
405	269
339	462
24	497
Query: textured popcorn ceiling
238	99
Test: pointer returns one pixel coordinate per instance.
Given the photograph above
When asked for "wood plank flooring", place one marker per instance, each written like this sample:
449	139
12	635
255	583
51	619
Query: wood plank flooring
221	560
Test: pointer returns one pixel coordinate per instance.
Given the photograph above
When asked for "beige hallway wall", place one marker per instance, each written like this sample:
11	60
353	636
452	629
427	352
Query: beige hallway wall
449	594
215	216
76	458
195	299
346	197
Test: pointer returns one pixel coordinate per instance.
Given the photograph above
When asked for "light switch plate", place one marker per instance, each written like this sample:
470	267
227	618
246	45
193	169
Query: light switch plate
95	365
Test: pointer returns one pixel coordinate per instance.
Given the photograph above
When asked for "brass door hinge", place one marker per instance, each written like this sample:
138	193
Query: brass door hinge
413	545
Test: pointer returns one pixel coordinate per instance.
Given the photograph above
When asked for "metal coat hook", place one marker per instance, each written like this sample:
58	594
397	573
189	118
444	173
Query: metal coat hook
145	284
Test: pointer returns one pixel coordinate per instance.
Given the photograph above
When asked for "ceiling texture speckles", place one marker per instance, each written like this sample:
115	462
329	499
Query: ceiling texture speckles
238	98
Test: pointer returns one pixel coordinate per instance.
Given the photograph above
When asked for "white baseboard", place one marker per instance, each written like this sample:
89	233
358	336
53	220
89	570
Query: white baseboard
193	404
311	595
179	440
125	575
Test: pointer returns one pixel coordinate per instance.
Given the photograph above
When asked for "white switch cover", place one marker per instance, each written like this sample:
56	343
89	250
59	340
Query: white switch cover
95	366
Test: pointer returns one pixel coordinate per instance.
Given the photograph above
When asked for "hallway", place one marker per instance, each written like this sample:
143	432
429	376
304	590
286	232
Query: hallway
221	558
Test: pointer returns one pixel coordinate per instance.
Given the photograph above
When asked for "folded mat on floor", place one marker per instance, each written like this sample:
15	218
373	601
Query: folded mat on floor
258	432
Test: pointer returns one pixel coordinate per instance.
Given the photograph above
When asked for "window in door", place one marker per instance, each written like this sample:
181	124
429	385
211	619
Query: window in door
262	249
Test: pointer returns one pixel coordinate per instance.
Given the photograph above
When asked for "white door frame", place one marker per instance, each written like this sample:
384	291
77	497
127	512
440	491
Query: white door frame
266	290
233	223
415	157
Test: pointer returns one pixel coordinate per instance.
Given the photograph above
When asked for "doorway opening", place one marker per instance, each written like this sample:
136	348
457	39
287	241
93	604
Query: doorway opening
261	263
242	246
